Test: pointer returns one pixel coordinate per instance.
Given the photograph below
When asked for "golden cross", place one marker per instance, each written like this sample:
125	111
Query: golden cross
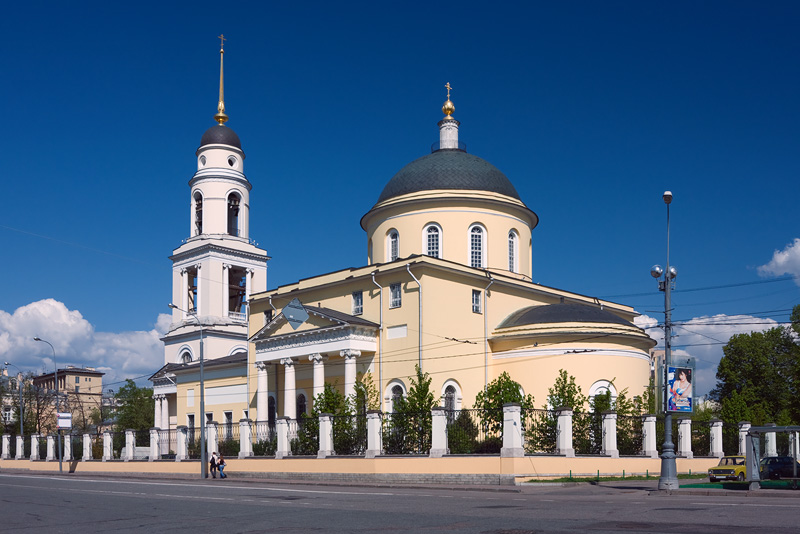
448	90
221	40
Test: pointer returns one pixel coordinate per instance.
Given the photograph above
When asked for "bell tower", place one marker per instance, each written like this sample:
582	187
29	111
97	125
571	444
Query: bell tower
218	266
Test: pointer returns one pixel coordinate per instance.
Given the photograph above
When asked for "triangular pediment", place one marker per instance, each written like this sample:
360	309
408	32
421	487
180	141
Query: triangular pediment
319	319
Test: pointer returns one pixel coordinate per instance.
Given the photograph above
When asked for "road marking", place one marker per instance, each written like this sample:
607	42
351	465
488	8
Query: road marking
748	504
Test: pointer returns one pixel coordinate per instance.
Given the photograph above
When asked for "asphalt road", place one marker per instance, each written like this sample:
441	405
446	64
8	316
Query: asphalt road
45	504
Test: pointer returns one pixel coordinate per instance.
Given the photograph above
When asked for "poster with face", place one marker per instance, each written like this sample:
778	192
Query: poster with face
679	392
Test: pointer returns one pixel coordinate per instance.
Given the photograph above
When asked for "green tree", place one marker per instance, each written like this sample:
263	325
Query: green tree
135	407
411	424
566	393
502	390
758	377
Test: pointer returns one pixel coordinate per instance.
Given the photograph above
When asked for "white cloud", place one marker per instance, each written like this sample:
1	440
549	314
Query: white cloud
120	355
786	261
703	338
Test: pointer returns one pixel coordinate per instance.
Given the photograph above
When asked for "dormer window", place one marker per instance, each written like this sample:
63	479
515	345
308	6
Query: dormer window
233	214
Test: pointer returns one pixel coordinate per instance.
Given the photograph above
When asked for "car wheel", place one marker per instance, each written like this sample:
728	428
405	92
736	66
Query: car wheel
712	479
741	477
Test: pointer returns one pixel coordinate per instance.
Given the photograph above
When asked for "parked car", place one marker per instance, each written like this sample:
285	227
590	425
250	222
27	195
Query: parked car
775	467
729	467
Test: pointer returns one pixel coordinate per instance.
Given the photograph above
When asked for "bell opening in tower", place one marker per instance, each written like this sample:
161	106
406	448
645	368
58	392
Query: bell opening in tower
233	214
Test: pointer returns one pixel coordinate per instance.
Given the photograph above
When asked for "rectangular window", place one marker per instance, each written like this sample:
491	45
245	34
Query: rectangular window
358	302
396	295
77	389
209	417
476	300
190	420
77	380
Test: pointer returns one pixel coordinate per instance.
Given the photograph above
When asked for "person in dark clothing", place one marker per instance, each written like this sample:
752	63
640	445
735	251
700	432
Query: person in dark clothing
214	464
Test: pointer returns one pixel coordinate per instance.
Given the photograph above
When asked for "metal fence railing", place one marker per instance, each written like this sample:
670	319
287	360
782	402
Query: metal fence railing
407	433
167	444
587	433
349	434
265	438
42	448
304	436
540	427
730	438
193	437
76	444
474	432
701	439
660	433
629	435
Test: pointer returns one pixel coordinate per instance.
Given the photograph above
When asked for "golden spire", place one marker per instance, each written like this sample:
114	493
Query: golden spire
220	117
448	107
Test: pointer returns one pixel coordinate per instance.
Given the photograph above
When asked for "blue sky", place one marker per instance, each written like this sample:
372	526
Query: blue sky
591	109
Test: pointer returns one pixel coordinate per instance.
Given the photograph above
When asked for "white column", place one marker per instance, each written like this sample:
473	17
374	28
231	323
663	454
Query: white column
374	434
282	428
245	440
610	434
350	356
513	447
51	448
226	289
20	448
183	444
289	403
564	432
130	445
67	448
716	438
34	447
87	447
262	392
649	448
108	452
319	373
438	433
6	453
744	428
184	293
154	452
325	436
158	410
685	438
164	413
770	443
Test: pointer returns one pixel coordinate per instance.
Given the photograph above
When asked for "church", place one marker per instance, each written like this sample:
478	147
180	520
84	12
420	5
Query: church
447	287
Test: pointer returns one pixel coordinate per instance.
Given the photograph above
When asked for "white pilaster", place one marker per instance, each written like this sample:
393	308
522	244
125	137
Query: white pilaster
154	452
770	443
108	451
610	434
289	387
350	370
164	413
319	373
282	428
564	432
68	448
211	439
87	447
184	293
685	438
649	436
248	277
183	444
374	434
744	428
513	446
200	295
325	436
130	445
51	448
20	448
226	290
34	447
245	439
716	438
438	433
6	454
158	410
262	392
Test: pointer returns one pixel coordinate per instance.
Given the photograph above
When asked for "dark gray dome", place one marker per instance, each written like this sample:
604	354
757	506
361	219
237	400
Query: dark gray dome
448	169
562	313
221	135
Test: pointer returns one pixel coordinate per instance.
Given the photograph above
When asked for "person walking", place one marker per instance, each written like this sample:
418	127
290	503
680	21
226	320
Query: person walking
221	466
214	464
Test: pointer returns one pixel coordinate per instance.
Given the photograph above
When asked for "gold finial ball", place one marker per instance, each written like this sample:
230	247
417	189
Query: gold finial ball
448	108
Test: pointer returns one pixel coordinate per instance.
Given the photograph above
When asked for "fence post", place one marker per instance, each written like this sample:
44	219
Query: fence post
325	436
245	439
51	448
282	427
513	446
20	448
6	455
744	428
685	437
183	443
564	432
130	445
108	450
716	438
211	438
374	434
770	444
68	448
154	448
34	447
649	448
87	447
610	434
438	433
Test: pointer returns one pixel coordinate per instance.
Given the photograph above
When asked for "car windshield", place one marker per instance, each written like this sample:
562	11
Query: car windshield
730	461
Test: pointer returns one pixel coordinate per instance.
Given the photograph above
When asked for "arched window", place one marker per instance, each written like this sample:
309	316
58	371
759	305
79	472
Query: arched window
301	405
393	245
186	357
476	247
397	396
233	214
198	213
450	402
432	241
513	251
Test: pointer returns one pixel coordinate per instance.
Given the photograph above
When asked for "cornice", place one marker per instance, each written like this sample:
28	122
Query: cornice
222	251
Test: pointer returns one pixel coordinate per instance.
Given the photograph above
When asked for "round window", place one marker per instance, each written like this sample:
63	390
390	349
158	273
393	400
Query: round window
231	161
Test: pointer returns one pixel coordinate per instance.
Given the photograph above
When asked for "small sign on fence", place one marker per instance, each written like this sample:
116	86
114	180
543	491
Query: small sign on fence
64	420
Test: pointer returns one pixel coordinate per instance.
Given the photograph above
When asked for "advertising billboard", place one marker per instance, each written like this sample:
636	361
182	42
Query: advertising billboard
680	388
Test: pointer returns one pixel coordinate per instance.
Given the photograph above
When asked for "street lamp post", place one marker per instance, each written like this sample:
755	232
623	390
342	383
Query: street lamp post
19	387
58	405
203	453
668	479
